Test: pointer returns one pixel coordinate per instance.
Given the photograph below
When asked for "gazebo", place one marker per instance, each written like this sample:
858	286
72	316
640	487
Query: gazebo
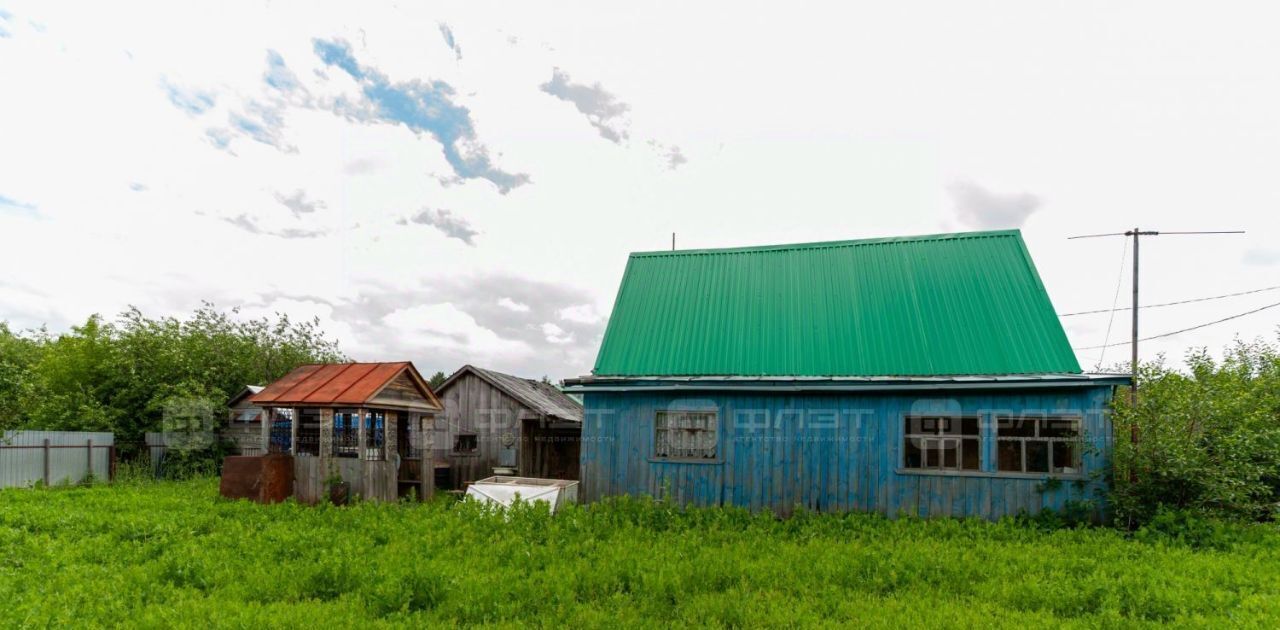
363	424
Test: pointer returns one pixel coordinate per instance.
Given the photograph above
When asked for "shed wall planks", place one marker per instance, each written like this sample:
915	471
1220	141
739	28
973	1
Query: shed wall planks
472	405
831	452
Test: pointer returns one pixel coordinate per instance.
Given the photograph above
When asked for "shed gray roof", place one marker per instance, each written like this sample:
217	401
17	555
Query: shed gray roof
248	390
544	398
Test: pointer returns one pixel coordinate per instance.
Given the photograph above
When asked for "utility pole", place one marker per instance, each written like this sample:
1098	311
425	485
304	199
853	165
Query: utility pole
673	241
1137	233
1133	362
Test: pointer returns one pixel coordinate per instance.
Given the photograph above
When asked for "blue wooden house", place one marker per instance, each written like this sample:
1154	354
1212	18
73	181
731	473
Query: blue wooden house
924	375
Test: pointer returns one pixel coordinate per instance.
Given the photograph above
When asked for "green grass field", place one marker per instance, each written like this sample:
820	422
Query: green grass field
166	554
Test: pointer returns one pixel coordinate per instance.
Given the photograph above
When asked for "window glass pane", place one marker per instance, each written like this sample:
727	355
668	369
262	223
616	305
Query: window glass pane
465	443
1010	426
969	426
931	455
685	435
1064	457
1009	456
1060	428
1037	456
950	453
913	455
971	454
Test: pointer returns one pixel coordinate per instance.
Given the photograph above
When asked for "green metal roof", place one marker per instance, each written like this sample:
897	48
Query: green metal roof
945	304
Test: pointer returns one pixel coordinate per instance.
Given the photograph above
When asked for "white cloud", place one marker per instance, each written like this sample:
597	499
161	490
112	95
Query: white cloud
1262	257
556	334
446	326
512	305
977	207
581	313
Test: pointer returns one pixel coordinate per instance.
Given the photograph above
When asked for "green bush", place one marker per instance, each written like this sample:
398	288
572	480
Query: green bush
1209	439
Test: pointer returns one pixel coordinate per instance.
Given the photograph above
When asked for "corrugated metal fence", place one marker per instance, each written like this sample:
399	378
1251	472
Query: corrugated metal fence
53	457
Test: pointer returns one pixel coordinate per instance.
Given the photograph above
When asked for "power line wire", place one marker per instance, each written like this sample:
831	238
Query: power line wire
1178	332
1124	251
1191	301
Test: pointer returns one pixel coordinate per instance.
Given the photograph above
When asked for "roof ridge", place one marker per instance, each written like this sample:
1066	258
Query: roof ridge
944	236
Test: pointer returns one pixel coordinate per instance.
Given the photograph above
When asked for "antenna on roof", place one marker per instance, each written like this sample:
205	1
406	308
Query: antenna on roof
1133	365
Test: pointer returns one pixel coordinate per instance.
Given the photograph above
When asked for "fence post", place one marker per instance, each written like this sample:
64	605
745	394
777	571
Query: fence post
89	447
46	462
111	463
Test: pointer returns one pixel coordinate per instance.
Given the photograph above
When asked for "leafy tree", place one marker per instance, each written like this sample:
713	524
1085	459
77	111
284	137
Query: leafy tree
1209	438
17	355
437	380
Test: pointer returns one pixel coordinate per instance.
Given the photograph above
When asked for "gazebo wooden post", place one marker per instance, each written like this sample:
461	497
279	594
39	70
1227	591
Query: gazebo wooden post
293	430
428	463
268	416
390	455
360	434
390	439
326	437
361	455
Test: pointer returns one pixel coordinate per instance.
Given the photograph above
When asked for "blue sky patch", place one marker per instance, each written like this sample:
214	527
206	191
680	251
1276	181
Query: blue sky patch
220	137
424	107
9	204
278	75
194	102
338	53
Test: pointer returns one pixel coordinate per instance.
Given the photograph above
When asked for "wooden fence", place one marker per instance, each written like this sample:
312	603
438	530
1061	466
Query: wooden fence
54	457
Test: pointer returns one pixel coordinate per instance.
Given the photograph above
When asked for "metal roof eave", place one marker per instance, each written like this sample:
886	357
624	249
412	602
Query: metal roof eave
841	384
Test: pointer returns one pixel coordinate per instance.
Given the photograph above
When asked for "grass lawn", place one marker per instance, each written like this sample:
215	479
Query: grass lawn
165	554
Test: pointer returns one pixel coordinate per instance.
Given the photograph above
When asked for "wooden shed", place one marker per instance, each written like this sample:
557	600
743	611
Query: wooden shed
361	423
243	429
496	423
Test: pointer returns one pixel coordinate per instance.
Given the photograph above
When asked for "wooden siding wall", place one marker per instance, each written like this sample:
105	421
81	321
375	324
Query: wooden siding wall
472	405
829	452
245	437
399	392
370	480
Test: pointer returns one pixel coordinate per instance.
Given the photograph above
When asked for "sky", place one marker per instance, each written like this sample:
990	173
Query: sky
462	182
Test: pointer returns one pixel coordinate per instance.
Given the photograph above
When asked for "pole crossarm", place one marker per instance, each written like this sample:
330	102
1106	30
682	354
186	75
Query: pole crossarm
1136	233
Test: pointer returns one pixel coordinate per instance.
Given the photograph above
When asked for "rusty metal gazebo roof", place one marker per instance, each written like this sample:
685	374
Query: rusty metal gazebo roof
339	384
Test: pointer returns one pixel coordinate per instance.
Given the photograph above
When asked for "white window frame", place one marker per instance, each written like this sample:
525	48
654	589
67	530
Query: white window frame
958	438
1039	420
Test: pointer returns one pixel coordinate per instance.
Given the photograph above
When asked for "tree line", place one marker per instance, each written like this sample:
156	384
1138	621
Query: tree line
120	375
